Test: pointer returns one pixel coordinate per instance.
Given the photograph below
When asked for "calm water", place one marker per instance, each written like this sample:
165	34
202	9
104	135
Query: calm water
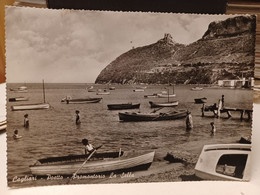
53	132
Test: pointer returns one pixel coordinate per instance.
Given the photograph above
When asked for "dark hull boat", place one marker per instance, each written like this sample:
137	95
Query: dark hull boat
200	100
123	106
81	100
98	163
134	116
163	104
16	99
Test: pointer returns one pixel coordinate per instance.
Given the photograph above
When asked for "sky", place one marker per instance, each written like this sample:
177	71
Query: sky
74	46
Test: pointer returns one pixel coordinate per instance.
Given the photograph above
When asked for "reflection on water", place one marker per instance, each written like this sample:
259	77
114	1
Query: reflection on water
53	132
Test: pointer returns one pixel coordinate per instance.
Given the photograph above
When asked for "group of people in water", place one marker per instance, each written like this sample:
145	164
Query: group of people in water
189	121
25	124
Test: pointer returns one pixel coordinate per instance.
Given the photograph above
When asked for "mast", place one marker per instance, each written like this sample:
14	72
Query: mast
43	91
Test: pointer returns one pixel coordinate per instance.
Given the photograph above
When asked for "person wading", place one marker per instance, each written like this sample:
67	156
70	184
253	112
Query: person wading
26	121
77	117
189	122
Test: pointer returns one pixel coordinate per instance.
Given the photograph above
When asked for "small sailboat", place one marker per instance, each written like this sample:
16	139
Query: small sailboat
38	106
165	104
166	94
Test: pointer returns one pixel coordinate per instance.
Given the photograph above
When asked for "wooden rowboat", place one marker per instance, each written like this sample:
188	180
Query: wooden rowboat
98	163
163	104
135	116
200	100
81	100
151	96
224	162
166	95
16	99
196	88
138	90
30	107
123	106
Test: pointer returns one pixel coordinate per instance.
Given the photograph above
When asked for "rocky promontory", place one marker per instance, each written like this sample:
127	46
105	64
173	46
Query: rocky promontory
225	51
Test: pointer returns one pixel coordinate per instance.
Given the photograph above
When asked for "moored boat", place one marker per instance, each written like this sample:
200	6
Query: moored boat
98	163
200	100
151	96
163	104
102	92
224	162
112	88
70	100
123	106
91	89
135	116
196	88
16	99
166	95
39	106
138	90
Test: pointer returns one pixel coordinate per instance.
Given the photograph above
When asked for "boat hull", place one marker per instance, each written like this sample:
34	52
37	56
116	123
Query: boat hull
200	100
224	162
82	101
103	93
16	99
30	107
152	117
122	106
163	104
94	167
3	125
166	95
138	90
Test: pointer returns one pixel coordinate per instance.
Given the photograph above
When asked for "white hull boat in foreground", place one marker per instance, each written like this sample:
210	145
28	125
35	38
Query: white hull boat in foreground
224	162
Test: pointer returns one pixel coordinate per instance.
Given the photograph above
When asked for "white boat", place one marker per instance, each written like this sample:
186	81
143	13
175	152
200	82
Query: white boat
3	125
166	95
22	89
163	104
30	107
101	163
224	162
103	93
138	90
37	106
91	89
196	88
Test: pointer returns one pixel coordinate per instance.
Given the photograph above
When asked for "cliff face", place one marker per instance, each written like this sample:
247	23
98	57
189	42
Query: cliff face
224	52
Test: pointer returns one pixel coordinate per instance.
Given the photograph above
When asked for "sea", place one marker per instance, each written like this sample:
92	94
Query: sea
53	132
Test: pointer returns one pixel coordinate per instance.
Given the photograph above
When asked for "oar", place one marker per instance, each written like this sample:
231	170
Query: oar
155	110
91	154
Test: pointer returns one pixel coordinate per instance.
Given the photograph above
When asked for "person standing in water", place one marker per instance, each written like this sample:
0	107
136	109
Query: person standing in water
189	122
213	128
222	99
26	121
77	117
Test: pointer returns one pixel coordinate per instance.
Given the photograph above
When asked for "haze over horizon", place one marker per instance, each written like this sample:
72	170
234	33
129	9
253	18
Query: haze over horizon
72	46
